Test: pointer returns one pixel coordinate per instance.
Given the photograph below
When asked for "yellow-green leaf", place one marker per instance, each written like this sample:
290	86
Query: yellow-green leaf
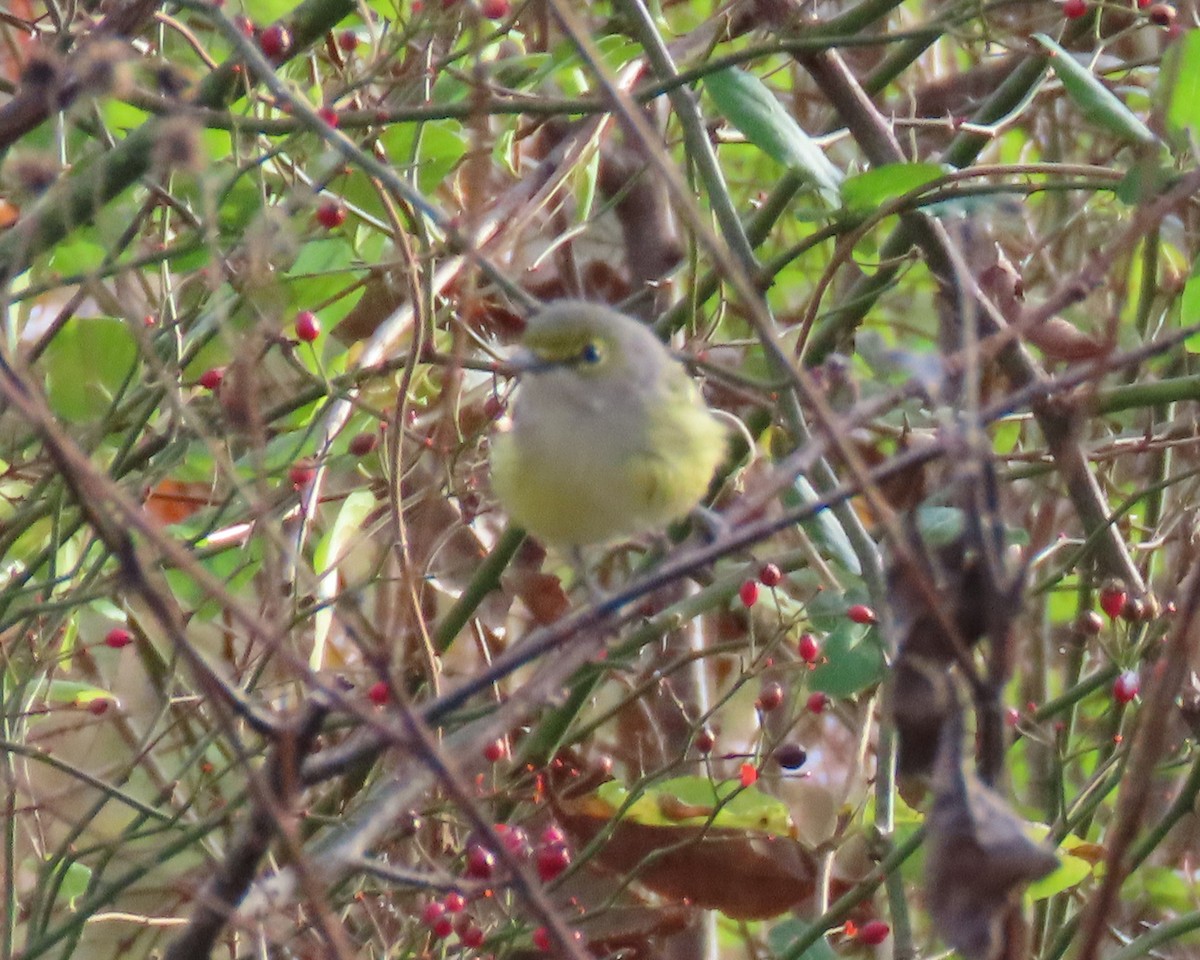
1099	104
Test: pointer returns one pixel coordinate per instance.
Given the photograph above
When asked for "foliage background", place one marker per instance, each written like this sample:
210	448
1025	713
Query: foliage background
343	670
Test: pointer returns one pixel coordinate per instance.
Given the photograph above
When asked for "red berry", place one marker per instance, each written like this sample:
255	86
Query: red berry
747	775
748	592
495	9
331	214
790	756
1012	716
347	40
378	693
1161	14
481	862
211	379
1112	599
770	575
117	638
363	443
873	932
808	648
455	902
301	474
329	116
861	613
433	912
705	740
496	750
245	24
1126	686
472	937
493	407
1074	9
275	41
515	840
98	707
770	697
442	928
308	327
1134	610
541	939
1089	623
553	834
817	702
552	861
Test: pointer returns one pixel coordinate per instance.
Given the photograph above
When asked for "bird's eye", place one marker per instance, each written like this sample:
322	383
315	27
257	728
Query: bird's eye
590	353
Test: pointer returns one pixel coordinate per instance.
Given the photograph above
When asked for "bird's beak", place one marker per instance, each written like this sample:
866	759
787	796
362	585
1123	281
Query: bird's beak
526	361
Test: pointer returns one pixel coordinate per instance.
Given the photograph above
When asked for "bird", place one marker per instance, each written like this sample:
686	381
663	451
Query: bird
608	438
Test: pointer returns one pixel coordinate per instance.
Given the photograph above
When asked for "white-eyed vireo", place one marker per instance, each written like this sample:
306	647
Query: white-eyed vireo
609	436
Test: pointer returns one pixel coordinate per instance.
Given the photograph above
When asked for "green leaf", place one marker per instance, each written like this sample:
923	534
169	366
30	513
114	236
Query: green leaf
1071	872
721	803
781	937
442	146
75	881
1189	307
329	553
1145	180
854	661
824	528
868	191
747	103
1181	72
75	692
120	115
75	878
86	363
1005	436
79	254
264	12
1099	104
438	146
1166	888
940	526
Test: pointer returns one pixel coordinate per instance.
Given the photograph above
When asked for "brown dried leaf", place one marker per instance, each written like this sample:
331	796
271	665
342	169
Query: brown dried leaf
543	595
920	708
383	292
979	857
921	698
744	874
1055	337
1062	340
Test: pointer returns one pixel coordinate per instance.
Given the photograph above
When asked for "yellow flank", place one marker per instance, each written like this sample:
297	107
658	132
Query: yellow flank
609	437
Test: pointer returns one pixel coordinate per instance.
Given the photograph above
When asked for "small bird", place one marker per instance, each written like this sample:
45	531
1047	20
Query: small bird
609	436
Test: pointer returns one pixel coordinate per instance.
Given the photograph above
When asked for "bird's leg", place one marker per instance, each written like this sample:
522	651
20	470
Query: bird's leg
585	575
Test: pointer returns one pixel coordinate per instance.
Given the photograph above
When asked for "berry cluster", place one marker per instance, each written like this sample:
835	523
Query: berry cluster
449	916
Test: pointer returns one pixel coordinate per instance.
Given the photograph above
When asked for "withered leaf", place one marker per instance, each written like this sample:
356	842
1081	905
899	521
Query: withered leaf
979	857
745	873
920	707
944	600
746	876
1060	339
